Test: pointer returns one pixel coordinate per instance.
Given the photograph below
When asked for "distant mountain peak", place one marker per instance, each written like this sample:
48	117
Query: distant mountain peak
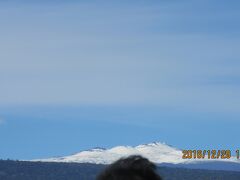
156	152
97	149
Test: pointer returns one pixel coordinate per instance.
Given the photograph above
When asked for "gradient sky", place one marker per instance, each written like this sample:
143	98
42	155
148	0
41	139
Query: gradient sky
80	74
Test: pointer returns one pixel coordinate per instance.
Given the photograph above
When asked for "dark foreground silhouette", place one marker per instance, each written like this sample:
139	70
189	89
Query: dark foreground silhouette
130	168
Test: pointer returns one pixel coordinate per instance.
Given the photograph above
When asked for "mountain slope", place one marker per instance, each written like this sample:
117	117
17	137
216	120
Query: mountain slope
155	152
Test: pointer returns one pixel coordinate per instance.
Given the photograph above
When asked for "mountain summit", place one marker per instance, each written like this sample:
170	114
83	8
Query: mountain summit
156	152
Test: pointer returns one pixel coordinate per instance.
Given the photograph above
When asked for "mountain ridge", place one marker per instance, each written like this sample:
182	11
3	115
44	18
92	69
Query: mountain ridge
156	152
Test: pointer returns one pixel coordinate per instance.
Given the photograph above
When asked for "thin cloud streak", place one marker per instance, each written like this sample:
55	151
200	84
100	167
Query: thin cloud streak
2	121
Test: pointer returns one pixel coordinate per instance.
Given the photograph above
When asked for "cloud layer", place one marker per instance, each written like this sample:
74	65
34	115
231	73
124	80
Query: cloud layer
168	54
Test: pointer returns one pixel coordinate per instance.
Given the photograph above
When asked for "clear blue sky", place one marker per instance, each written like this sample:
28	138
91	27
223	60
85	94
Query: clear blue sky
79	74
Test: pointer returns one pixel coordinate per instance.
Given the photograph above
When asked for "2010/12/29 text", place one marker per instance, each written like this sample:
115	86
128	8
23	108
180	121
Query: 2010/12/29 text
209	154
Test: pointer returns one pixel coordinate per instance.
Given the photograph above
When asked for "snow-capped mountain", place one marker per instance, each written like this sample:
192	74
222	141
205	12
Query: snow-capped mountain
155	152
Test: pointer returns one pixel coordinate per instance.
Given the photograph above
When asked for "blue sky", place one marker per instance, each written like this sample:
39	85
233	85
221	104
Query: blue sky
80	74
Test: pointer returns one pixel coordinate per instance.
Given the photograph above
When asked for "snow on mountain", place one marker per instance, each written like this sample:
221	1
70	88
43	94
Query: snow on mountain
155	152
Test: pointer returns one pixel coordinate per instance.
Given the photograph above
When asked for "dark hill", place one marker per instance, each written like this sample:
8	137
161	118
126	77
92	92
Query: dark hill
21	170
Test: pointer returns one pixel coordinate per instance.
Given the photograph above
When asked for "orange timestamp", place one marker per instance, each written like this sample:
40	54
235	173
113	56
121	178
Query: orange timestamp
209	154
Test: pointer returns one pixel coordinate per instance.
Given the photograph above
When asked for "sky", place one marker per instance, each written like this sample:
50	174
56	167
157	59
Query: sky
81	74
